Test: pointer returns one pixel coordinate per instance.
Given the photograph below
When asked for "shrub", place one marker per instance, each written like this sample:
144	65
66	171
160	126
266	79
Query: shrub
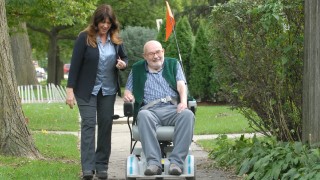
258	47
268	159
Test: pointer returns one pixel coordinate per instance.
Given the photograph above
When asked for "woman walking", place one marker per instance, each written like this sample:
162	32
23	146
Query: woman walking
93	83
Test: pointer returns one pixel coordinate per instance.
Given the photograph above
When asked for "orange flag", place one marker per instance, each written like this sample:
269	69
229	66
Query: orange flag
169	21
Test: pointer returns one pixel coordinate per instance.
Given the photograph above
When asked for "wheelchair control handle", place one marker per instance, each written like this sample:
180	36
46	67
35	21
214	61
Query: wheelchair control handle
128	109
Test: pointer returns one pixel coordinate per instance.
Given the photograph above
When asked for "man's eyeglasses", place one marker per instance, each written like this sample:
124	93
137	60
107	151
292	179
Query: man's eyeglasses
151	54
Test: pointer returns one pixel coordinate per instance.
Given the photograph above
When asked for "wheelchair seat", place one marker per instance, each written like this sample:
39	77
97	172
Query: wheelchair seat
164	133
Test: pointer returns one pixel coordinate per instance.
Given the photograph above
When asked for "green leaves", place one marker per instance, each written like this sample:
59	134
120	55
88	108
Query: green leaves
257	47
52	12
264	158
134	39
202	83
184	37
137	12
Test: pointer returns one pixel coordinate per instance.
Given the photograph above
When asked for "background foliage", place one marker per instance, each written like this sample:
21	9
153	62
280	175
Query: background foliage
252	58
201	76
184	38
134	39
267	158
257	45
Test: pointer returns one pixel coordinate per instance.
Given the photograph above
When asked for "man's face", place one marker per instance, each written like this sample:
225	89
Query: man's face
154	55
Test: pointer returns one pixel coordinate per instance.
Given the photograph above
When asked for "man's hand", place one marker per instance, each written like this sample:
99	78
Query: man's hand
70	100
181	107
128	97
182	89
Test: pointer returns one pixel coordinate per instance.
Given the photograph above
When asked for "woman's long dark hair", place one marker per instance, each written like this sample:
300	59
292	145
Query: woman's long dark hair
103	12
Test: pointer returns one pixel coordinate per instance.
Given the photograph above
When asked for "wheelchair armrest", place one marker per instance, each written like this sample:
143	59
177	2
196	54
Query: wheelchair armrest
128	109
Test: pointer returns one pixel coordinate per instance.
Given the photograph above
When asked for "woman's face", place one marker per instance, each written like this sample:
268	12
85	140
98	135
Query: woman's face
104	26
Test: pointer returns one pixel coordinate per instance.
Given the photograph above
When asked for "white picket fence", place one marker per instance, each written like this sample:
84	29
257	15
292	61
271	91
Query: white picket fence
42	94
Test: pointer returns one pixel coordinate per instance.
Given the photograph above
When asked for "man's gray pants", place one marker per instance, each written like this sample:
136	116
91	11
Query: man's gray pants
98	110
165	114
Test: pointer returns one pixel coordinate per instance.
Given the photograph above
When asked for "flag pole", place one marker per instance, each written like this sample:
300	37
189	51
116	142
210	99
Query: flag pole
175	37
170	27
172	22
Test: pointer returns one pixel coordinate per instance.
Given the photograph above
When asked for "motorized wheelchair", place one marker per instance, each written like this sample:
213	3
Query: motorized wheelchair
136	162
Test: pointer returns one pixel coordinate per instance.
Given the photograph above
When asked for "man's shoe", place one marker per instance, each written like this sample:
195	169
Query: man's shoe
87	175
102	175
174	169
153	170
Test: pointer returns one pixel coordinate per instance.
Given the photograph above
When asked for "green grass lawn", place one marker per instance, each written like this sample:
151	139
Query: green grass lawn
61	156
220	120
56	146
61	160
51	117
207	144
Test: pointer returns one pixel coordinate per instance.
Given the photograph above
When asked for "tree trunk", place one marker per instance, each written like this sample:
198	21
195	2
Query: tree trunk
52	58
59	67
311	80
22	57
15	138
55	66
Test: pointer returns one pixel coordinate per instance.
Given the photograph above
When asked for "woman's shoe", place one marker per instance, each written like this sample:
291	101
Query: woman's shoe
87	175
102	175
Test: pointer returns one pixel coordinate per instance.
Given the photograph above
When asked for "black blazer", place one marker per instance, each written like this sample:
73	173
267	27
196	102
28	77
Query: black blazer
84	66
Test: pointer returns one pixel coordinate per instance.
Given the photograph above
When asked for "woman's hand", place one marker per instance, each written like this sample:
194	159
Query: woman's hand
70	100
121	64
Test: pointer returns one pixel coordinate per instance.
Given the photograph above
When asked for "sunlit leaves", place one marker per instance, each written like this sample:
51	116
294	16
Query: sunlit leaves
48	13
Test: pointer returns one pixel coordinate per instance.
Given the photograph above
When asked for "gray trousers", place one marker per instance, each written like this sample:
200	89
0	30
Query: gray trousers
98	110
165	115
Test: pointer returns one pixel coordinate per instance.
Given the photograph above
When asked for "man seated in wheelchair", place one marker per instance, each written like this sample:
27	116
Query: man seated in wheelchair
158	88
